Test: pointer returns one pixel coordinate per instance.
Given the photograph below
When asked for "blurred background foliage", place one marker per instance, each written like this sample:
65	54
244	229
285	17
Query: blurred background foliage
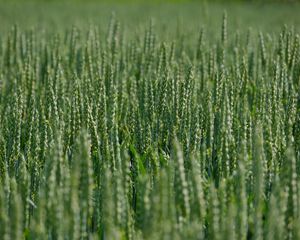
157	1
62	14
170	16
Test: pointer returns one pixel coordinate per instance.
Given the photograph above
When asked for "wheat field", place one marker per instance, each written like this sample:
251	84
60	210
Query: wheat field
128	127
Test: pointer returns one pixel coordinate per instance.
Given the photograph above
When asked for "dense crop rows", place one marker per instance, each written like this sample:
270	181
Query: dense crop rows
115	138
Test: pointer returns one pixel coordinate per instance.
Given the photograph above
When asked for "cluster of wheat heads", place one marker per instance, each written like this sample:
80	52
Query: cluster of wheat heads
110	138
